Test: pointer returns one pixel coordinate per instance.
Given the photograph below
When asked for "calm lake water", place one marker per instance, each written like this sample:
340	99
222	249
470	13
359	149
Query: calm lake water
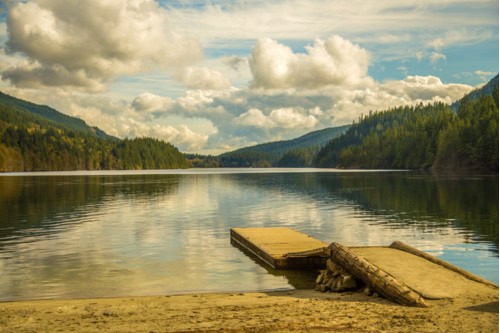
96	234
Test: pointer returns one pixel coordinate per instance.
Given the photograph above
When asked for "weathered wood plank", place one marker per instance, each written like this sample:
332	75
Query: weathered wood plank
281	248
409	249
378	279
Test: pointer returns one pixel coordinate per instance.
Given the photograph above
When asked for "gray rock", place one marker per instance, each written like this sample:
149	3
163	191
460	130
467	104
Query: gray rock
368	291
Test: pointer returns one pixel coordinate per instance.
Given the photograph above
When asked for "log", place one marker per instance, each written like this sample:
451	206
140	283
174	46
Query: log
379	280
407	248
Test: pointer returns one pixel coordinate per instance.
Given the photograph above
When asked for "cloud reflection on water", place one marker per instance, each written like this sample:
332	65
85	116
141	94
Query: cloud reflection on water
158	234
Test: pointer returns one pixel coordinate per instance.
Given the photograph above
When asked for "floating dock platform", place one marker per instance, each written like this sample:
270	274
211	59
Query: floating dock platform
399	272
281	248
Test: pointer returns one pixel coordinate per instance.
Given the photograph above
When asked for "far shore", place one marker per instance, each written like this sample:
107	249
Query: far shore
278	311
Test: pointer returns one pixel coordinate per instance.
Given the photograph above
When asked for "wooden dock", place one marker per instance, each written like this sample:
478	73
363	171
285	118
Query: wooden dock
399	272
281	248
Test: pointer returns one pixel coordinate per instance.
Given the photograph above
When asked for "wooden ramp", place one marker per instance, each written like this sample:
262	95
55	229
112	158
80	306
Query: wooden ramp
407	275
281	248
430	280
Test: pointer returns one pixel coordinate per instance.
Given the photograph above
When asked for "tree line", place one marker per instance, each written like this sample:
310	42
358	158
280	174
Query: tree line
32	142
421	136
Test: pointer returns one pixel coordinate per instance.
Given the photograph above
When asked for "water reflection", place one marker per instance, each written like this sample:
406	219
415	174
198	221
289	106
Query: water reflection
143	234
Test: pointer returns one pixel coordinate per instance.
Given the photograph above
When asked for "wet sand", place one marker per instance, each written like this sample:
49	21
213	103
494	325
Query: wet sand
284	311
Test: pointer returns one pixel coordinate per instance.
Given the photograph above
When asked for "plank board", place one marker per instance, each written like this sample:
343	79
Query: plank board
430	280
281	247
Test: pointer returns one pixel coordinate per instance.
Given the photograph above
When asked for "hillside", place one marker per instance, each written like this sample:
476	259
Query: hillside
298	152
38	138
49	114
423	136
490	88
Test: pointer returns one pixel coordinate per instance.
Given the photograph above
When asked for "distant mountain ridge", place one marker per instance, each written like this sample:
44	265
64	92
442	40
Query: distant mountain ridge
50	114
487	89
38	138
271	153
423	136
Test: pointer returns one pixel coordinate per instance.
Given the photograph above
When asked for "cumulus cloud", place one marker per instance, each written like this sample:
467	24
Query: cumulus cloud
334	62
148	102
425	89
203	78
255	118
84	46
284	118
290	94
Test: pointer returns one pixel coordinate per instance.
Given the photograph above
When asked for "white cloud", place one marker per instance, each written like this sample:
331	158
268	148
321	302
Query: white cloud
333	62
435	56
485	75
415	89
284	118
181	136
292	118
481	73
85	46
149	102
328	85
460	36
391	20
254	117
203	78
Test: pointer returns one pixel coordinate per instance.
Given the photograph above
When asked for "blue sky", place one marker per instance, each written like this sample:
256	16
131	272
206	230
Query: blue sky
212	76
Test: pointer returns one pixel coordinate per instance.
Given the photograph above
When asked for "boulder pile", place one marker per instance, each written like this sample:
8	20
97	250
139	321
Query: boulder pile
336	279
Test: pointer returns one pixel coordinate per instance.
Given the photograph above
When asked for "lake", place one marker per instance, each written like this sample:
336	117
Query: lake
132	233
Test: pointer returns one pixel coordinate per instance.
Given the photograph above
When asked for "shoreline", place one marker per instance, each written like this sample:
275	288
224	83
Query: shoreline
282	311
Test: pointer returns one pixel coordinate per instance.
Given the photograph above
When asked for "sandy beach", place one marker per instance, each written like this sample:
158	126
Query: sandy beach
283	311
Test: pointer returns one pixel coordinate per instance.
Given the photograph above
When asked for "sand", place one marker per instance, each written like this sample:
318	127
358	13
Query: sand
284	311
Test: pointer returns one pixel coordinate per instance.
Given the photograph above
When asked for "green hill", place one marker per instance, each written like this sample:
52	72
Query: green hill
490	88
59	119
422	136
297	152
38	138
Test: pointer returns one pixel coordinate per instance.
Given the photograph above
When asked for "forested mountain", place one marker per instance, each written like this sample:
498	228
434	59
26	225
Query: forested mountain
48	113
39	138
490	88
423	136
299	152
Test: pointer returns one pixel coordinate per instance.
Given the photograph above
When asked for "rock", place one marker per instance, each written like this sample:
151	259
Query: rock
319	279
336	285
368	291
334	278
348	282
330	283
